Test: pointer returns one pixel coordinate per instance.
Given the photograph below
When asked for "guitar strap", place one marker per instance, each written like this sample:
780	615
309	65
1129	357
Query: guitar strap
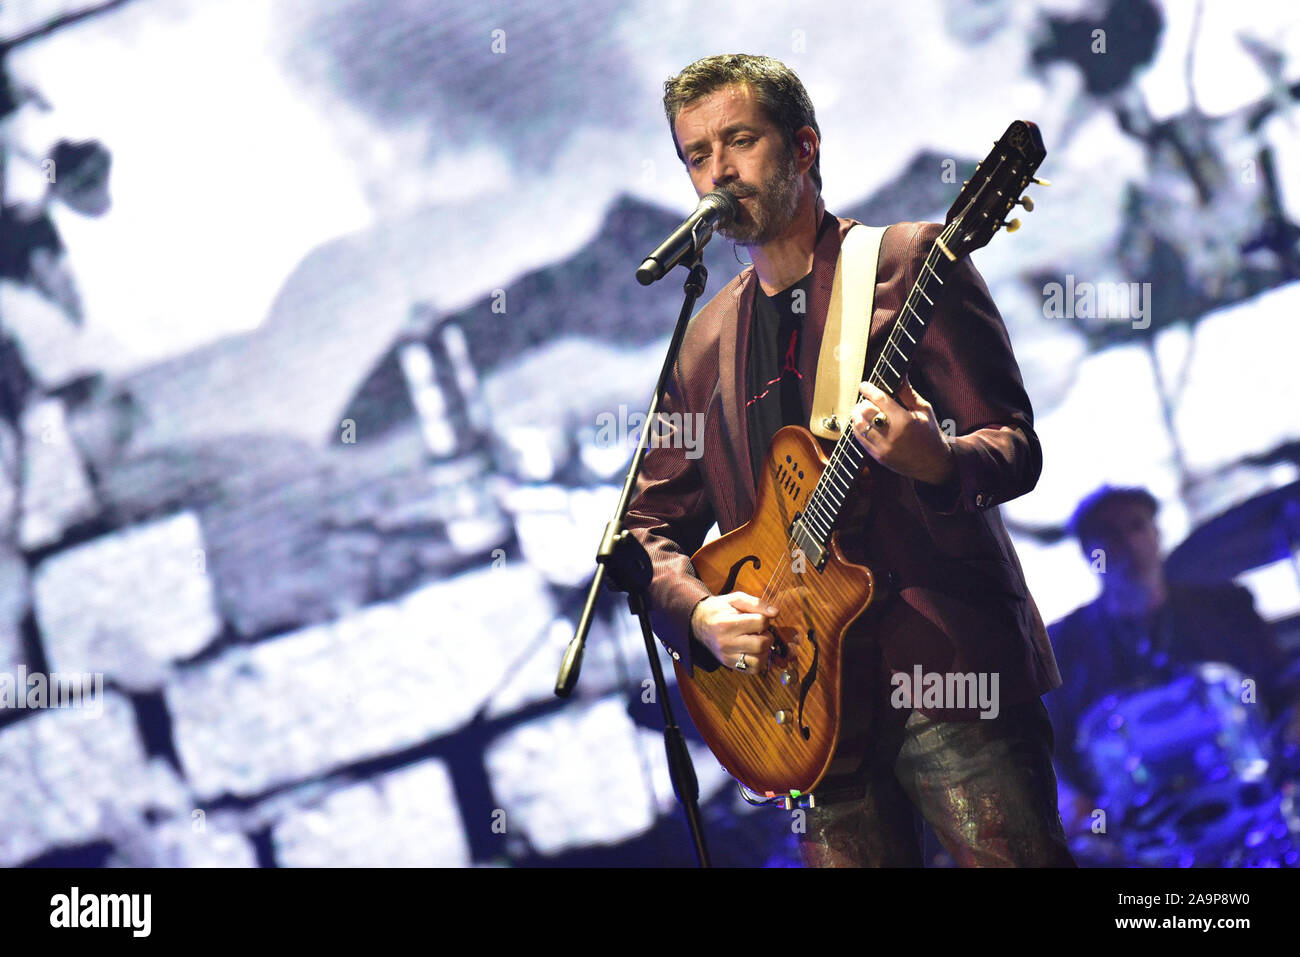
842	361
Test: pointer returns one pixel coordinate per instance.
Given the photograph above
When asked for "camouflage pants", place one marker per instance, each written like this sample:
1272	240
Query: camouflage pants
987	788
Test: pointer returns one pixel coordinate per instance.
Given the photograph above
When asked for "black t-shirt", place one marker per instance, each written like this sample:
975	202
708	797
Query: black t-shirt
772	386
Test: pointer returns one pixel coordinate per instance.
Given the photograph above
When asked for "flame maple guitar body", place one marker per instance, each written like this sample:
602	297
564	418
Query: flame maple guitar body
777	730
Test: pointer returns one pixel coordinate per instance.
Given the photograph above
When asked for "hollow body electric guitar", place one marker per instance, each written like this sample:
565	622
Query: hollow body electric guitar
777	730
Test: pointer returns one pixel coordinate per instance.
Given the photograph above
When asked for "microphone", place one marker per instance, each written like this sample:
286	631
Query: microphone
717	209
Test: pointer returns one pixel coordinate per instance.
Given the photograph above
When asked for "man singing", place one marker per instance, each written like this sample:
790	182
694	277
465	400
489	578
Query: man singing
956	440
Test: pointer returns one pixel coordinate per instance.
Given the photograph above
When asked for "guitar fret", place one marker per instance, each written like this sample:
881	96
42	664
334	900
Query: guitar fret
809	510
932	272
850	469
825	501
922	292
818	523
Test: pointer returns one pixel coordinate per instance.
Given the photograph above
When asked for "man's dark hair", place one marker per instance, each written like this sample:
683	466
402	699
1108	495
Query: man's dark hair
778	91
1085	523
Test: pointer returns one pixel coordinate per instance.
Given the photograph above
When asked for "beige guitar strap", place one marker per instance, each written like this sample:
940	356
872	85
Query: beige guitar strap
843	356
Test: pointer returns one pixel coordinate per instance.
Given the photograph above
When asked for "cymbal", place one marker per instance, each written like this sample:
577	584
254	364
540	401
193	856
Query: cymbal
1259	531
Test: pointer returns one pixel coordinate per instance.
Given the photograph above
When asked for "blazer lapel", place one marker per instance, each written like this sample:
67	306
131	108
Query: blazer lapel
732	371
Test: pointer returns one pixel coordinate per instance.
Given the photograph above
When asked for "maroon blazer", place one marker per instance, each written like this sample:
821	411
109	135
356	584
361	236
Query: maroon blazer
959	602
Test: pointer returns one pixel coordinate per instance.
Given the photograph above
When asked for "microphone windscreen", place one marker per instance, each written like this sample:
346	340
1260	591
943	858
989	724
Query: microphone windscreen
723	200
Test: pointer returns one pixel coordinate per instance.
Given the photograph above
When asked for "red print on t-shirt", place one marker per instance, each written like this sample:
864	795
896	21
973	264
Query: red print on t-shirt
787	366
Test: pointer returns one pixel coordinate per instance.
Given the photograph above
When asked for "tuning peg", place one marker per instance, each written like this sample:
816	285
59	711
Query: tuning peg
1026	202
1012	226
1042	182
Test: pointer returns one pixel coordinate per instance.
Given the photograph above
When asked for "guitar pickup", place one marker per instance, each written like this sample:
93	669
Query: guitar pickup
803	539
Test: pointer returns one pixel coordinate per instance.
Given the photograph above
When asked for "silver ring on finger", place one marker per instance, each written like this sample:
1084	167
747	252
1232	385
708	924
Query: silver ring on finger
740	665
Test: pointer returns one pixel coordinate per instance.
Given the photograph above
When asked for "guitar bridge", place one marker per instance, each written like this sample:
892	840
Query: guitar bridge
805	541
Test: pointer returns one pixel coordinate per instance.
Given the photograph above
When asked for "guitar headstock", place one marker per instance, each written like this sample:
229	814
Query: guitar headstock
997	186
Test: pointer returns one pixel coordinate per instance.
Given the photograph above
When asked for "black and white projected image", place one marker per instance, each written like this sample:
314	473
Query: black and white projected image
322	359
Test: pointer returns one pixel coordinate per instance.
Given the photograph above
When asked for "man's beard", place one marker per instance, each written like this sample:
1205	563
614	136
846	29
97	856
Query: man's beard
773	208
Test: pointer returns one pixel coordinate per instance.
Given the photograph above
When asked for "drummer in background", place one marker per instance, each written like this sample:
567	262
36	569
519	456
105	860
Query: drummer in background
1142	628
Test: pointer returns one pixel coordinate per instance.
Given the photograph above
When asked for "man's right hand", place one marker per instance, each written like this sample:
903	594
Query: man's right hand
733	625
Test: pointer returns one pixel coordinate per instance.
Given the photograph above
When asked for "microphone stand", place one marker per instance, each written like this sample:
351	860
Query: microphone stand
629	570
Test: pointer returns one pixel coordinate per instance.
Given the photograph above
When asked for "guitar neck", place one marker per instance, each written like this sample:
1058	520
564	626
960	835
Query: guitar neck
909	325
846	461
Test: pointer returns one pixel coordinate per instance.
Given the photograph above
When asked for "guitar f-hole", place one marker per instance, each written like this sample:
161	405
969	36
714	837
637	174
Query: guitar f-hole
806	685
736	568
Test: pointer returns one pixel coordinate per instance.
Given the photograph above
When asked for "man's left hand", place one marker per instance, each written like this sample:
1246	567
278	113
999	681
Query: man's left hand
908	439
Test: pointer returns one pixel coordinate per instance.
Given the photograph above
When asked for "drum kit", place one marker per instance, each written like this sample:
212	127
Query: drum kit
1189	775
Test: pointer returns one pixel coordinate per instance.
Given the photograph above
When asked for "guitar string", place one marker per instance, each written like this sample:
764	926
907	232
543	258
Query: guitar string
819	511
780	576
818	523
820	520
820	515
